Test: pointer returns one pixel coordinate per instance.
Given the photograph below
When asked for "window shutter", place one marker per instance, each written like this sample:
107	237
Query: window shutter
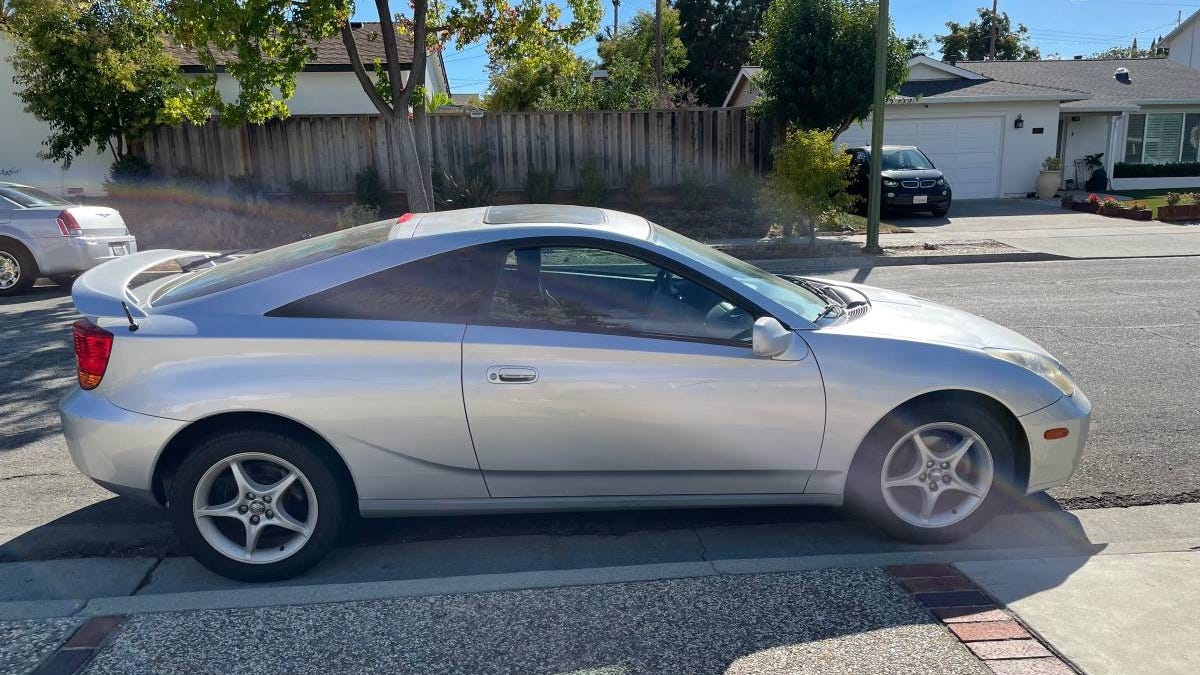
1164	134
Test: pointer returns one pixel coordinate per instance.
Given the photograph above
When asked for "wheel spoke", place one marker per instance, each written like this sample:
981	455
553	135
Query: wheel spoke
961	449
226	510
910	479
922	449
928	501
957	483
286	521
277	488
252	532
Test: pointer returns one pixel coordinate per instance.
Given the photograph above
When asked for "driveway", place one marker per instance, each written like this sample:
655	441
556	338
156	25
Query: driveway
991	216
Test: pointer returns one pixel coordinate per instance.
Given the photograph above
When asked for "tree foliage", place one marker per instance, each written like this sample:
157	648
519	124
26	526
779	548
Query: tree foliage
634	44
94	71
518	84
818	60
1131	52
971	42
264	44
716	35
808	179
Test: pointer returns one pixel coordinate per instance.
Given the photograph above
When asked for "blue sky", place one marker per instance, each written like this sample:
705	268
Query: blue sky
1066	27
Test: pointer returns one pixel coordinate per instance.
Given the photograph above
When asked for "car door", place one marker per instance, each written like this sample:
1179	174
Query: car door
595	372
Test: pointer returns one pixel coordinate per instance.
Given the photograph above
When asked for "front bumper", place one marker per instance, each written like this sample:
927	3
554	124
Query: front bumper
1051	463
66	255
898	199
113	446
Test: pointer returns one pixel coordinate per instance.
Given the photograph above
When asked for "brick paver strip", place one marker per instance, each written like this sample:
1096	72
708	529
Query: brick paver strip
953	599
64	662
1008	649
92	633
988	630
970	614
934	584
1043	666
922	570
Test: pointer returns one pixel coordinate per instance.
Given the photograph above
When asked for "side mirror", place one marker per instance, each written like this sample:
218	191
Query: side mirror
770	338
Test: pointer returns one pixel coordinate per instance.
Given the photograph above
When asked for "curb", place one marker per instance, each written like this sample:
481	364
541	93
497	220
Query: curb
994	635
853	262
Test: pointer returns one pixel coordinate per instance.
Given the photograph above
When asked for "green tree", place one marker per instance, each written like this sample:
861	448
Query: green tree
269	42
518	84
808	180
716	35
634	45
94	71
625	88
1130	52
818	60
971	42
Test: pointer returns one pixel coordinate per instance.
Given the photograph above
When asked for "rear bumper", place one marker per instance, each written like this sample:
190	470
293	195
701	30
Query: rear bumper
66	255
1051	463
112	446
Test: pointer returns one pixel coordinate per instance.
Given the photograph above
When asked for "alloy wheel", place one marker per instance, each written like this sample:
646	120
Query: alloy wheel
253	507
10	270
937	475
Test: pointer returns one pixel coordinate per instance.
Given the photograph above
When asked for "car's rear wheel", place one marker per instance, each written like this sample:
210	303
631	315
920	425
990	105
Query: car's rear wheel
257	505
933	472
18	271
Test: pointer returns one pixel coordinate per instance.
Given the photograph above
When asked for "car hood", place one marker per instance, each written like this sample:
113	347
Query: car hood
911	174
898	315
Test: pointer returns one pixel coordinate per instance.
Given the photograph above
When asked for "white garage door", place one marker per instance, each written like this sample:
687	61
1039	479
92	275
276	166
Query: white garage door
966	149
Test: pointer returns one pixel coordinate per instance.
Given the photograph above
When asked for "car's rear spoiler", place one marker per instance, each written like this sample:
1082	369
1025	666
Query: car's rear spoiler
101	290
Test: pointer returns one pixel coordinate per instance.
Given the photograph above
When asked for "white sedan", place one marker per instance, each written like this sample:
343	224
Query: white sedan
536	358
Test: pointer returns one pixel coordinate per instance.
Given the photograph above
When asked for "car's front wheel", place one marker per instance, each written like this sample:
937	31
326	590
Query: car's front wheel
257	505
933	472
18	271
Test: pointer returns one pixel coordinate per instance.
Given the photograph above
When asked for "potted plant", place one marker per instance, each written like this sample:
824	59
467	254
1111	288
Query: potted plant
1050	178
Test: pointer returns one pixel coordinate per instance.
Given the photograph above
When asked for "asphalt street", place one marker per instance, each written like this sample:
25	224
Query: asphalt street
1128	329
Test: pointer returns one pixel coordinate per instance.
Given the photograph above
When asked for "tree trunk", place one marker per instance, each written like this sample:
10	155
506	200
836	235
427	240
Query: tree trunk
413	171
425	143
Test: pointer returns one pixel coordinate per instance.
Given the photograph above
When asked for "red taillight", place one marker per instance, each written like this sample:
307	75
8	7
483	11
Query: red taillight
404	218
67	225
93	344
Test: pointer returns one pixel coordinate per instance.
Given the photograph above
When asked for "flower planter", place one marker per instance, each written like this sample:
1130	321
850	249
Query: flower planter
1179	212
1086	207
1047	183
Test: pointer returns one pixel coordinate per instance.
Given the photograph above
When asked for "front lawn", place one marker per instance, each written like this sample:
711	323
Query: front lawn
1152	199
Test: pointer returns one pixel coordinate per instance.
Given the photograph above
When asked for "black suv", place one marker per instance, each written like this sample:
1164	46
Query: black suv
910	181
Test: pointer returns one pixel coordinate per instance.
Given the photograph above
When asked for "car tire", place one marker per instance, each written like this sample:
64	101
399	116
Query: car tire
64	280
316	500
18	270
890	456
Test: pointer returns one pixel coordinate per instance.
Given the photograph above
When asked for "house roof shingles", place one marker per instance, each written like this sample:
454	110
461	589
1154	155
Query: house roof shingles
330	52
952	89
1150	79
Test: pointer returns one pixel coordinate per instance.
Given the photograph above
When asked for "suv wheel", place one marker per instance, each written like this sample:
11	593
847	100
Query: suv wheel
257	505
17	269
933	473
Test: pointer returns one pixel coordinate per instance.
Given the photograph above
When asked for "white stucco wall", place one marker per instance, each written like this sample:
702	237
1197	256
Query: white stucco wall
21	136
1021	151
1185	47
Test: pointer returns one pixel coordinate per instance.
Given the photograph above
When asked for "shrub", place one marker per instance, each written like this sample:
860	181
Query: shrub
1093	198
808	179
245	186
540	186
368	188
1174	198
475	187
1052	164
129	169
298	188
693	192
740	188
1111	202
1171	170
637	185
1194	197
356	214
592	189
188	177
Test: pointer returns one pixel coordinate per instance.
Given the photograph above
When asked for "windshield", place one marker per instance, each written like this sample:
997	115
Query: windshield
274	261
796	298
28	197
894	160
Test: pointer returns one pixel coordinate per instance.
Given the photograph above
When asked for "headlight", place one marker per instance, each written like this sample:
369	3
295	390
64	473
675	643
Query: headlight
1048	368
941	182
888	182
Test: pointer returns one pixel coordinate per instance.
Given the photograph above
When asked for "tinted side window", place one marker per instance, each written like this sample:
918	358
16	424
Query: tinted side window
448	287
595	290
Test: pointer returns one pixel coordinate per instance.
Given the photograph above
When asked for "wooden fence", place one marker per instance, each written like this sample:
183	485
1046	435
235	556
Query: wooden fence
325	152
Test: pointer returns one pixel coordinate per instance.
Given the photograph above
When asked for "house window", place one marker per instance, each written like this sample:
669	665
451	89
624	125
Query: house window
1163	138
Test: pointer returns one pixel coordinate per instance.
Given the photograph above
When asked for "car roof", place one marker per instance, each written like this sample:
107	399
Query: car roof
519	216
885	148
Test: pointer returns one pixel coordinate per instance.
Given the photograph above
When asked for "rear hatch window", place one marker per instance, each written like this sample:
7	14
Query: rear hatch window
274	261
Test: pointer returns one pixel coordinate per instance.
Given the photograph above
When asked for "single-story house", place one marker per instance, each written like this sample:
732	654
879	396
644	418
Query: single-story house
326	86
990	124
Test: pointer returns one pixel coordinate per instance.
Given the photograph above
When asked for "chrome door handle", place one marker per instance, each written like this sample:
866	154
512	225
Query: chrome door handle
511	375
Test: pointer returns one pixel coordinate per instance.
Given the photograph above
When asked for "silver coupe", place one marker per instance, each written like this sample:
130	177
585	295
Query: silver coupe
540	357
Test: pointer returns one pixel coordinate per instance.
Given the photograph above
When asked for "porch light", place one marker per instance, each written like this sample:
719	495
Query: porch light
1019	123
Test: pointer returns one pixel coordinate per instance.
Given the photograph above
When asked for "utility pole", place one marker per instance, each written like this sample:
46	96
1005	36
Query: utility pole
875	194
995	18
616	16
658	65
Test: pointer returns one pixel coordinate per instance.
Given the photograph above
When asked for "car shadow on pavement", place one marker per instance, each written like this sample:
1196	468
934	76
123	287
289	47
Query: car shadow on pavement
35	363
